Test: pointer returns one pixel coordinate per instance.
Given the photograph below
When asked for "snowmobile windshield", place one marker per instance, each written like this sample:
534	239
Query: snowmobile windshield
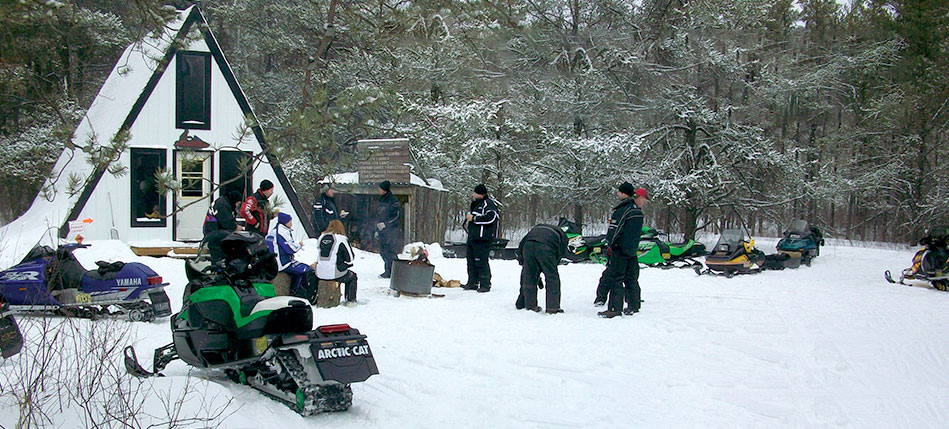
730	240
799	228
939	232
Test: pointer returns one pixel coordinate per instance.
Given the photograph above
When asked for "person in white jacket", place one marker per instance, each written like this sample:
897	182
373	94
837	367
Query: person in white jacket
280	240
336	259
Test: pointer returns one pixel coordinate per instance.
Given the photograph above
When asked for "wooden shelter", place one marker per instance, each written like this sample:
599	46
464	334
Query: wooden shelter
425	204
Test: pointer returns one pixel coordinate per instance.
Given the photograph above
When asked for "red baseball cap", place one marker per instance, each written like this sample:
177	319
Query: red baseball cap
641	192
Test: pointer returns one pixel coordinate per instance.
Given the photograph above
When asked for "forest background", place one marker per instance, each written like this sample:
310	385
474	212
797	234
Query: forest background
730	112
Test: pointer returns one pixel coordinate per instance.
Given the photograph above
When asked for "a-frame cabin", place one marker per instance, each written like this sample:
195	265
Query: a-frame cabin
178	102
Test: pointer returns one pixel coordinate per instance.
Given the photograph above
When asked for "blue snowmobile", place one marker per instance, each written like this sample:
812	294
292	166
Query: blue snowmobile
51	281
801	244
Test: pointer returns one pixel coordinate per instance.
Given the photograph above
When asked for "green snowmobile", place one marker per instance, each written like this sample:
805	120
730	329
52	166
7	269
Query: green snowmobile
664	254
580	248
232	320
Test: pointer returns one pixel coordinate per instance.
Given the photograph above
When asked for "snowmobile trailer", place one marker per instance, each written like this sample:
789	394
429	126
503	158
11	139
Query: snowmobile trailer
232	321
51	281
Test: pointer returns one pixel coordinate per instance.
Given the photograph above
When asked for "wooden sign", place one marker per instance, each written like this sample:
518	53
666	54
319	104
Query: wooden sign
384	159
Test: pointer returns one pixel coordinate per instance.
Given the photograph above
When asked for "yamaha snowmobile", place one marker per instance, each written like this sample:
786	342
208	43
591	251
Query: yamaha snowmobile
53	281
733	255
231	320
11	340
931	262
580	248
801	244
655	252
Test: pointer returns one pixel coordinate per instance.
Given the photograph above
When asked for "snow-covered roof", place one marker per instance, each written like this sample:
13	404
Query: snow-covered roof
352	178
102	121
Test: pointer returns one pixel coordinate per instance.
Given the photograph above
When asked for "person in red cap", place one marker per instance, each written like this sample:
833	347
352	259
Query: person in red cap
620	280
256	209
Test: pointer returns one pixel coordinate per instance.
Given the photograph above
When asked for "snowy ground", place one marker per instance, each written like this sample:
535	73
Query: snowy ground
830	345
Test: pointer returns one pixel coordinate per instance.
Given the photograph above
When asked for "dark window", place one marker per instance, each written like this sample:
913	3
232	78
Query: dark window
236	164
148	205
193	92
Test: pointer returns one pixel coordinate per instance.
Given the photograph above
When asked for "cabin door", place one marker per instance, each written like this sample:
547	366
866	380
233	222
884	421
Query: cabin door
193	197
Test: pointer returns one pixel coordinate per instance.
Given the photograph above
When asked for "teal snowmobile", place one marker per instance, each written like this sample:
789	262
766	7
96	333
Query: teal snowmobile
931	262
655	252
580	248
231	320
801	244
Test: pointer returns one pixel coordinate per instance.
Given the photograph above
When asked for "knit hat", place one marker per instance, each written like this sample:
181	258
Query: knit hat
283	218
641	192
481	189
627	189
265	185
234	196
385	186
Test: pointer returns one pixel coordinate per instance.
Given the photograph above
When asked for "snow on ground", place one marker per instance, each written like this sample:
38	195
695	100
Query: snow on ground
830	345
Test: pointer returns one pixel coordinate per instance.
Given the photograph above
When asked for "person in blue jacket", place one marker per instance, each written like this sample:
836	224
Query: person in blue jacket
280	240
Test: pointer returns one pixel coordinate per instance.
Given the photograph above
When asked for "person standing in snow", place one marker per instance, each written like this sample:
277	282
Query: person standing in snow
539	252
482	219
387	227
621	277
324	209
220	221
336	259
256	209
280	241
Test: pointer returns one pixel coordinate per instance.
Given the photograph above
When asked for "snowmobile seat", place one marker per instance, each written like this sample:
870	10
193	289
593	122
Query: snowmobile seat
594	239
106	270
64	272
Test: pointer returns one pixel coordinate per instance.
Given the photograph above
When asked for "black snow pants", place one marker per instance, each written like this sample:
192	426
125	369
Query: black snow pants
349	280
621	281
479	272
539	258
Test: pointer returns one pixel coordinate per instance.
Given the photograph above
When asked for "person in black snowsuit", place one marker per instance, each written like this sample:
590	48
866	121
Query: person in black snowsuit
620	279
483	220
324	209
220	221
387	227
540	251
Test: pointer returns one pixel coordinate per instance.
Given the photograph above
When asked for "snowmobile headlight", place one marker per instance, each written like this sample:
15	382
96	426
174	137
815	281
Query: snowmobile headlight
260	345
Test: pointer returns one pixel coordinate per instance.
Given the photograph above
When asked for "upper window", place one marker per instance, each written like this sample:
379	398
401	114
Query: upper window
193	92
148	204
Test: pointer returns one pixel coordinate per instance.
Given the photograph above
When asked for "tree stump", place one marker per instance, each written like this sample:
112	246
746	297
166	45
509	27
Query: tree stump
327	294
281	284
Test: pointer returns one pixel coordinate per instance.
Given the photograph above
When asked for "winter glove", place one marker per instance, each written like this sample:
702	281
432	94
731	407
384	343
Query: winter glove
380	226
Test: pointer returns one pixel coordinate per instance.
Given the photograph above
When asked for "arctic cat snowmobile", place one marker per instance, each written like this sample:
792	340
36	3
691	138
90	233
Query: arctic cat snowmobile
931	262
53	281
230	320
580	248
733	255
655	252
801	244
11	341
